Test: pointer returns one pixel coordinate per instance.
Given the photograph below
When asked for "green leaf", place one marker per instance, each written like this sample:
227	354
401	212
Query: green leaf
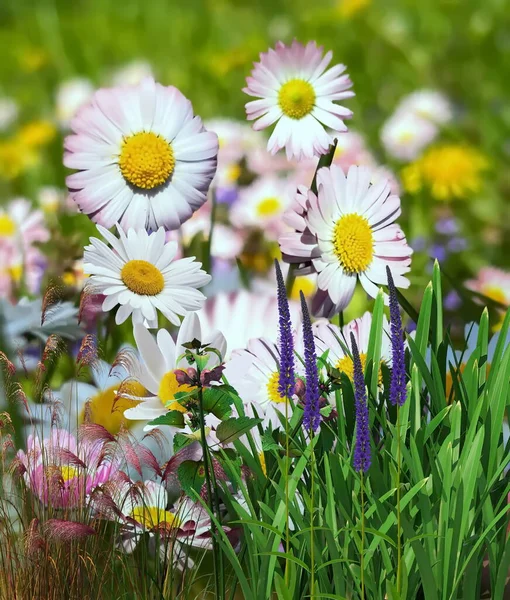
233	428
172	417
191	476
217	401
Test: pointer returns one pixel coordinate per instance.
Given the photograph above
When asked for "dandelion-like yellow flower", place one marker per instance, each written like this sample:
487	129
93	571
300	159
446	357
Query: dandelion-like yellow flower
349	8
449	171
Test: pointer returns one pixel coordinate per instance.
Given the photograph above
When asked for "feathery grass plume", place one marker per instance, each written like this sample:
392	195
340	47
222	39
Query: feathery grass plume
398	389
287	378
87	354
362	457
311	416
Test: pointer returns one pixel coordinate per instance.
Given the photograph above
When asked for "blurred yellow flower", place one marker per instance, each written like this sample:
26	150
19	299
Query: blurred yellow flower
346	9
37	133
33	59
449	171
15	158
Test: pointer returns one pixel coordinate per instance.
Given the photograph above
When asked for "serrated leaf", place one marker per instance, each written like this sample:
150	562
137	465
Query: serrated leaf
172	417
217	401
231	429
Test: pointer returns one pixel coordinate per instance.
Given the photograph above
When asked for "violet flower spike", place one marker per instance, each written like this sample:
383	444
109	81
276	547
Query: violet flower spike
312	415
398	390
362	455
287	378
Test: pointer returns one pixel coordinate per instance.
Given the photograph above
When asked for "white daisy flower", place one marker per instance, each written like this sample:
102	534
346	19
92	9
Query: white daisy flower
254	373
139	273
71	95
243	315
132	73
262	204
427	104
160	358
8	113
298	94
350	234
405	135
330	337
143	159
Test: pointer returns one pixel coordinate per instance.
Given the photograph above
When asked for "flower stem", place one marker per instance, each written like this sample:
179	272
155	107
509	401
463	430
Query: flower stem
312	544
362	554
399	540
218	574
287	469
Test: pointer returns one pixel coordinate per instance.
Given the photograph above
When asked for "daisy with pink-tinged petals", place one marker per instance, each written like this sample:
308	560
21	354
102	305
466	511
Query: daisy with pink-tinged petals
142	158
350	234
62	471
297	93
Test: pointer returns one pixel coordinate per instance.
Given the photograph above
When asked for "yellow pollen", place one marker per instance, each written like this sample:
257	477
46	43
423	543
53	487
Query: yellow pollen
142	278
272	389
268	207
353	243
296	98
345	365
7	226
146	160
168	387
68	473
107	408
153	516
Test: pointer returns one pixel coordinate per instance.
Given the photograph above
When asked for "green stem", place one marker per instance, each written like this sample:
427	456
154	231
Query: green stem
205	451
287	469
362	554
312	544
399	540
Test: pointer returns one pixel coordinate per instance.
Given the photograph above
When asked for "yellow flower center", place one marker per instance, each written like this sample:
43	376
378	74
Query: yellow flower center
68	473
107	407
153	516
268	207
494	293
272	389
296	98
16	272
354	243
7	226
345	365
302	284
233	173
168	387
142	278
146	160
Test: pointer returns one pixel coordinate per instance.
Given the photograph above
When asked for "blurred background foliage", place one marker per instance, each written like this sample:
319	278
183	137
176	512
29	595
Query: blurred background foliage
207	47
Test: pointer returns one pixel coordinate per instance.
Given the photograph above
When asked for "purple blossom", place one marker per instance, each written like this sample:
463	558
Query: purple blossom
312	416
447	226
398	389
287	378
362	455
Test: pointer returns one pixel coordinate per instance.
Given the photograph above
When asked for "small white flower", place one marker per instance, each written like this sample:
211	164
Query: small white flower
427	104
71	96
405	135
139	273
298	94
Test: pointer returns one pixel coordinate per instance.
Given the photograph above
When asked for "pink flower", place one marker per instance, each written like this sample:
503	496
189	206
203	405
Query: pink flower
63	472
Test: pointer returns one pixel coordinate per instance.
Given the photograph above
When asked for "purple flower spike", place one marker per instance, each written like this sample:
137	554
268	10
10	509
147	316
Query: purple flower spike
312	415
398	390
362	456
287	379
